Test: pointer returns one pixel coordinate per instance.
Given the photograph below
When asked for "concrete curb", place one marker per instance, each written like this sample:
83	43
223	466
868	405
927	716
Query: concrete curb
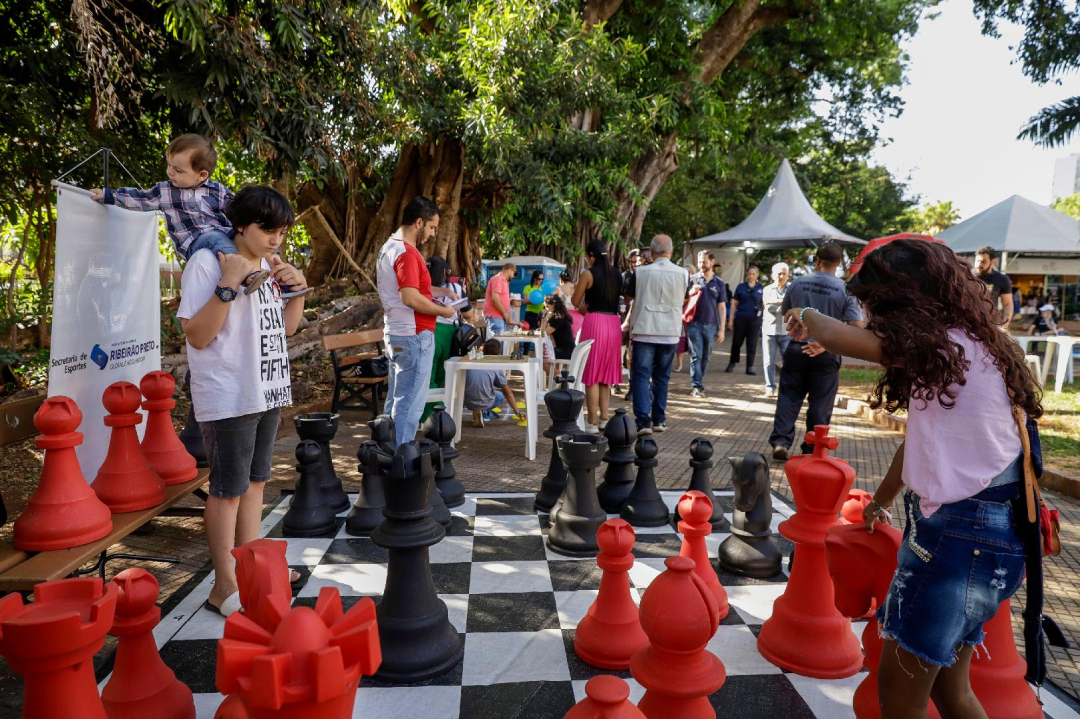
1051	479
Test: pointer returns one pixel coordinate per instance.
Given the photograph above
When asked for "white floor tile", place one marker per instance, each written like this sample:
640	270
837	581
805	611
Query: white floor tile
306	552
468	509
754	602
351	580
394	703
645	570
203	625
828	698
451	549
174	621
457	606
573	606
501	577
509	525
736	646
502	657
206	705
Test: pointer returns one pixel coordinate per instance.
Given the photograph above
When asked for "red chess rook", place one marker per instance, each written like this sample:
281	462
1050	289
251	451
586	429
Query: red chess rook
696	509
126	482
606	697
806	634
52	643
160	445
141	684
611	632
63	512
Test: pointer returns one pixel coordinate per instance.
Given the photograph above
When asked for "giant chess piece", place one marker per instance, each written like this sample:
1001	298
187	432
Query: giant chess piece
606	697
645	507
141	683
321	427
439	511
619	476
262	577
126	482
63	511
309	515
383	433
440	428
418	640
861	565
367	511
701	452
750	550
563	406
308	667
610	633
857	501
52	643
680	616
574	526
997	674
162	448
191	435
806	634
696	509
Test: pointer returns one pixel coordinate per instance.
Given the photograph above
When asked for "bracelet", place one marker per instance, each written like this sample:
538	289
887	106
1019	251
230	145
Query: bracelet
878	509
803	312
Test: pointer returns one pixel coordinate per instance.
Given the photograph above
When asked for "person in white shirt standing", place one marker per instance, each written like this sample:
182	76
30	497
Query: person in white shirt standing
774	337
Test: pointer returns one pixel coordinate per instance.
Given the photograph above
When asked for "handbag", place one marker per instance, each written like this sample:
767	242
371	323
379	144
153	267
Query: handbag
690	307
1049	520
372	367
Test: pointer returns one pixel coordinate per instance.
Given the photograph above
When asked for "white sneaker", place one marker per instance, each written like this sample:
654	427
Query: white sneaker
591	429
659	427
602	425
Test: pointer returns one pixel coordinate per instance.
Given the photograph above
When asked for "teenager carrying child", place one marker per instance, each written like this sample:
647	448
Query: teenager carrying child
239	365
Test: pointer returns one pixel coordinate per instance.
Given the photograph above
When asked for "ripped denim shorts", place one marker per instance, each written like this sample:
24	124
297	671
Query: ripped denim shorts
954	569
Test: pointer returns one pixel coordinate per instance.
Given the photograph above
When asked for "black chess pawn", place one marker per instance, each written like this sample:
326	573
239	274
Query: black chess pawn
418	641
321	427
574	526
563	406
701	451
191	436
645	507
309	515
367	511
619	475
750	550
440	428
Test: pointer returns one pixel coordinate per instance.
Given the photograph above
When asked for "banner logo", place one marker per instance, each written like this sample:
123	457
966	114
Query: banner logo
99	356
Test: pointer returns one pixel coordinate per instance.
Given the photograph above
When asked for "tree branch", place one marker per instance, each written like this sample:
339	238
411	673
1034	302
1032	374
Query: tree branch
598	11
731	31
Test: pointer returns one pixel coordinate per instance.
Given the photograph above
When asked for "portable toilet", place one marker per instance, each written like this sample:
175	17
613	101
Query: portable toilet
525	266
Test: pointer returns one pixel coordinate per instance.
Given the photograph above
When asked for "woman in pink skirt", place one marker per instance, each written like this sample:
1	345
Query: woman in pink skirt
597	297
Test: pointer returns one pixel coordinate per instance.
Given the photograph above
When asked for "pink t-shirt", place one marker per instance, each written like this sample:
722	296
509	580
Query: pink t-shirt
952	454
497	285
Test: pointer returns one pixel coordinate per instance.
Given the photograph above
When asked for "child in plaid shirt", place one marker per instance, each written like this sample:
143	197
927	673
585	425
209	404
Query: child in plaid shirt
193	205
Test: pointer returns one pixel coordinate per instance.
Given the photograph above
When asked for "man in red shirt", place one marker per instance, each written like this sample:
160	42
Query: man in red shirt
409	315
497	300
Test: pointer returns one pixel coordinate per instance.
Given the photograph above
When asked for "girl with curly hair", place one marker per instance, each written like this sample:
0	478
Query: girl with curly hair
931	325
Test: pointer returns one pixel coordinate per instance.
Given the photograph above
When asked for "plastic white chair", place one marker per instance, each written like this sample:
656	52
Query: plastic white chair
580	353
1036	365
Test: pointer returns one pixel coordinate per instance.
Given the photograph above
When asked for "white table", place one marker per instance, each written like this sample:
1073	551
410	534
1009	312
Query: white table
455	391
509	341
1063	344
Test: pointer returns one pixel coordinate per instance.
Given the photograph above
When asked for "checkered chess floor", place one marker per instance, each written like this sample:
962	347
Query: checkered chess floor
517	605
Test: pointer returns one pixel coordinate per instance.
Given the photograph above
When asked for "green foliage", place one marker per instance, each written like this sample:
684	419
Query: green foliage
1069	205
931	218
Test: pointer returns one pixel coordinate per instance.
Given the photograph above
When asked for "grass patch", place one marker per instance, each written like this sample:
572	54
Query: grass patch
1059	428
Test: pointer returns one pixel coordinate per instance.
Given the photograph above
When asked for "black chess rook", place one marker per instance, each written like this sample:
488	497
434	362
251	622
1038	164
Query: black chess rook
574	526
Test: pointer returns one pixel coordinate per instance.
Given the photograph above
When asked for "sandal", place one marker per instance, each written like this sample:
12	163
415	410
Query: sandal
255	280
230	606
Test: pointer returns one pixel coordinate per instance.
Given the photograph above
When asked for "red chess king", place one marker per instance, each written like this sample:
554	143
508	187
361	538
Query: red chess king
63	512
126	482
52	643
679	615
141	685
610	633
806	634
160	445
696	508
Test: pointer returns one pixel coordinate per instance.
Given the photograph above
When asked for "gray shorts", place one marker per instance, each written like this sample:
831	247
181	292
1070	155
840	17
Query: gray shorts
240	451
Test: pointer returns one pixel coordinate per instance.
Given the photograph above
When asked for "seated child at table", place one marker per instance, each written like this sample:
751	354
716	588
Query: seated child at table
481	386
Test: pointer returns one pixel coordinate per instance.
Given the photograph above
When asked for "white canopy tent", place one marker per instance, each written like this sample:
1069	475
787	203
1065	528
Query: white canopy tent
1016	226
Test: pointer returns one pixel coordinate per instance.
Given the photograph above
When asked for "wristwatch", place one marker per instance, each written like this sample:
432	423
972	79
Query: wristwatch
225	294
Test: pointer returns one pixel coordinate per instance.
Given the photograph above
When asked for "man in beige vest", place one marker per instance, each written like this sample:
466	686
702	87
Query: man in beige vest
658	290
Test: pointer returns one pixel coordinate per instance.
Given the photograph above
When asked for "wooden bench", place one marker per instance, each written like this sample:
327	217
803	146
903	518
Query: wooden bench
20	570
344	367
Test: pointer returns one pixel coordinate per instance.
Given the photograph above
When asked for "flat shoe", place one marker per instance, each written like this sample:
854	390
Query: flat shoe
230	606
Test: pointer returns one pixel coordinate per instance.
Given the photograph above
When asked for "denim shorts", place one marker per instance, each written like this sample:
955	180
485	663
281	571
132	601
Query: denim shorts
240	451
954	570
215	241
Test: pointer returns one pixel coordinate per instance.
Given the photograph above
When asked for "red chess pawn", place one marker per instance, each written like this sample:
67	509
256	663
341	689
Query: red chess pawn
680	616
63	512
610	633
806	634
308	668
696	508
52	643
857	501
160	445
606	697
262	574
126	482
997	673
141	684
862	566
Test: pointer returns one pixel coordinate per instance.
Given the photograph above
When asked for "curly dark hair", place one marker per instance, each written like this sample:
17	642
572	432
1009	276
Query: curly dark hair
558	307
915	292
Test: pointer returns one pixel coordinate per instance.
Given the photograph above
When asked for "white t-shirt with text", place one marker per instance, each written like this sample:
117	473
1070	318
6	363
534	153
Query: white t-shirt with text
245	368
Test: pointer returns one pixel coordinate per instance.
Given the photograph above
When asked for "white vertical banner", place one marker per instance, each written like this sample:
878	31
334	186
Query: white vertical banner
106	308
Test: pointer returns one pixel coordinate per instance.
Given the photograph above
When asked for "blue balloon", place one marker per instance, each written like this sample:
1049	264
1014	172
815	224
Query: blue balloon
536	297
549	287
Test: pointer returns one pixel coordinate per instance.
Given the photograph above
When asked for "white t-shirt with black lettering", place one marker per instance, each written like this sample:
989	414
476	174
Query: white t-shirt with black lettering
245	368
